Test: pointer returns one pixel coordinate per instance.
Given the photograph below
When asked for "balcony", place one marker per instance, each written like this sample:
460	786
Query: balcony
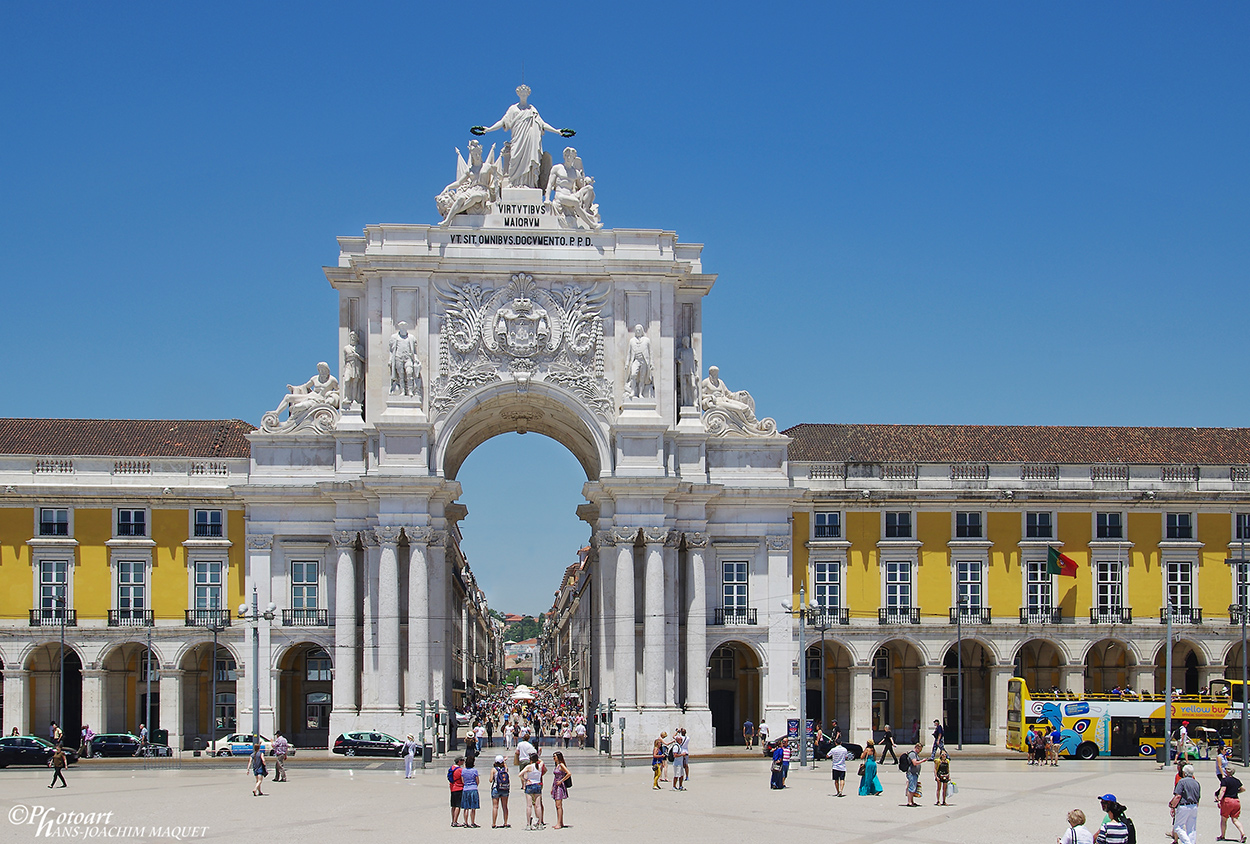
1041	615
52	617
734	616
898	615
208	618
1110	615
209	531
971	615
1238	613
130	618
306	617
829	617
1181	615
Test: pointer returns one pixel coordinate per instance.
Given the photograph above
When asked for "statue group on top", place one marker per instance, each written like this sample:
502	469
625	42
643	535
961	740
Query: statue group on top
568	192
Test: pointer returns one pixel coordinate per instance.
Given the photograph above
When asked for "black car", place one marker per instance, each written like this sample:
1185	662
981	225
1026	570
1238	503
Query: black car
115	744
368	744
854	751
30	750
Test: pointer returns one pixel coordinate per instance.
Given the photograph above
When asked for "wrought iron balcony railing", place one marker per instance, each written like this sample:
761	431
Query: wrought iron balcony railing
971	615
898	615
306	617
130	618
208	618
52	617
734	615
829	617
1110	615
1041	615
1181	615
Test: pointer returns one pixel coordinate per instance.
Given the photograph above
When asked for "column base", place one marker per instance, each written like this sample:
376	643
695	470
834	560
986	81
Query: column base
643	727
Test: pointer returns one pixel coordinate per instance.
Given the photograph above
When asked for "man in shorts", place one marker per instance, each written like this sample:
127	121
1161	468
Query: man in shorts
837	759
913	774
680	753
748	733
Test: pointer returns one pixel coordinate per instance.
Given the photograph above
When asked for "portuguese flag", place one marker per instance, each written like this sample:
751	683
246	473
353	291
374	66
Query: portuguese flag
1057	563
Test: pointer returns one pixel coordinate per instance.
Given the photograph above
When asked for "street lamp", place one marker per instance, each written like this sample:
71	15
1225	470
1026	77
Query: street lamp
959	665
1242	599
60	705
254	615
802	614
216	626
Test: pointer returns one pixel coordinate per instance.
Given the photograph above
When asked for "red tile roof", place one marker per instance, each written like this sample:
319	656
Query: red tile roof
1018	444
214	438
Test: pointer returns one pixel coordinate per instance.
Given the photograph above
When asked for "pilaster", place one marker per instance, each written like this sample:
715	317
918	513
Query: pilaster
696	621
653	618
346	657
418	687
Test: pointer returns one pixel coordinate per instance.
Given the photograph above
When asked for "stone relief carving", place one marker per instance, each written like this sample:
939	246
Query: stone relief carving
525	331
353	372
524	153
778	543
623	535
673	539
687	375
403	362
418	535
259	541
313	405
640	376
387	534
655	535
696	540
572	192
476	186
368	538
729	412
344	539
436	538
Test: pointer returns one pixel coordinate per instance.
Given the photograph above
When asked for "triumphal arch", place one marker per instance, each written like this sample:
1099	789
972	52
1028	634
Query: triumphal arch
521	311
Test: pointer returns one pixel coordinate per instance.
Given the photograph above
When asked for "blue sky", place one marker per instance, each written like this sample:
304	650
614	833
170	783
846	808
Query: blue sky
973	212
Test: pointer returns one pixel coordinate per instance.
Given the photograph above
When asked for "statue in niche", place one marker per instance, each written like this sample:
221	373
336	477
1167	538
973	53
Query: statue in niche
641	377
353	372
725	410
687	375
402	359
476	185
524	152
572	191
313	404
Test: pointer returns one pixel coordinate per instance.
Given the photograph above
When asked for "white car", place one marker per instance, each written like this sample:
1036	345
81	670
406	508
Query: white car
237	744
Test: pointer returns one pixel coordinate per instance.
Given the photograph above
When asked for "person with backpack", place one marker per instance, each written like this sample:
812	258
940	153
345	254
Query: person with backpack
910	765
1030	744
1116	827
455	779
500	786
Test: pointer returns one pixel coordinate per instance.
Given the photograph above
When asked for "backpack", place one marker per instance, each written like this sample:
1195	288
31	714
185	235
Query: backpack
502	782
904	763
1132	830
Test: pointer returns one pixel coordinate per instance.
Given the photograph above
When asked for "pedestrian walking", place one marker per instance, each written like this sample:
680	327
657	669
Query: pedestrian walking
455	782
470	800
58	767
256	764
561	779
410	755
507	735
786	753
683	746
1229	801
666	756
54	733
532	778
1222	757
887	744
869	782
762	733
837	761
281	747
939	737
913	774
88	734
941	777
1184	806
657	762
1115	826
776	769
580	732
748	733
490	732
915	729
1030	743
500	787
567	735
1076	833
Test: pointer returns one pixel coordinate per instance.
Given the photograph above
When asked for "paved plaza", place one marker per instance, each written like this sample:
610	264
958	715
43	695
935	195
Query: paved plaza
999	800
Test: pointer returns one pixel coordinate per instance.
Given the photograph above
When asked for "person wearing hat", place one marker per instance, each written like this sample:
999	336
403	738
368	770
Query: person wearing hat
411	748
500	786
1114	829
1184	806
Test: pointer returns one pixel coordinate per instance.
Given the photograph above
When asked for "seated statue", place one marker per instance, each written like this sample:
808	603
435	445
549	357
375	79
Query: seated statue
726	411
476	185
572	191
309	402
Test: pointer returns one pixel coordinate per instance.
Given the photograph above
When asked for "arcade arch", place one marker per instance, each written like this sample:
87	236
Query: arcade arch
305	673
733	690
198	707
1188	667
1108	664
897	688
125	689
44	666
829	693
1040	662
977	660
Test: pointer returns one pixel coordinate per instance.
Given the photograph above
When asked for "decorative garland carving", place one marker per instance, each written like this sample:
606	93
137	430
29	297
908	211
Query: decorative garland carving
436	538
697	540
673	539
778	543
259	541
345	540
387	534
654	535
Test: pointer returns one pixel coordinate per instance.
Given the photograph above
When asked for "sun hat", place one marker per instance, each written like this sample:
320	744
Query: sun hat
1108	798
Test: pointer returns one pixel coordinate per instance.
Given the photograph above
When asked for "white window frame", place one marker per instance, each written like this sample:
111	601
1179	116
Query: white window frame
317	583
1241	578
971	565
745	584
69	516
1123	526
885	583
209	557
1054	526
1050	581
841	524
52	556
911	526
1180	560
147	522
838	566
1236	541
955	525
119	556
1193	526
225	521
1124	572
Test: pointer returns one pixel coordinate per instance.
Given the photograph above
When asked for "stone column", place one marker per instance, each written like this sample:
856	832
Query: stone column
346	661
464	648
369	633
625	659
696	621
603	587
418	687
1207	673
1072	678
17	701
781	643
92	700
672	630
653	618
1142	677
387	678
440	646
930	698
860	728
171	705
259	552
999	675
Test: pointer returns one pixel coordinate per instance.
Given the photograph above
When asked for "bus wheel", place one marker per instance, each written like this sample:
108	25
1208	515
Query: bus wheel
1088	750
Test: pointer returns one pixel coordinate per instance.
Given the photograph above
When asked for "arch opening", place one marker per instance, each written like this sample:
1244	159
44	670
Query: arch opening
305	672
897	689
1108	664
1040	662
733	690
976	661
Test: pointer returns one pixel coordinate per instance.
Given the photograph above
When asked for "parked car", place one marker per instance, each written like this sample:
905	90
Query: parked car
125	744
237	744
30	750
368	744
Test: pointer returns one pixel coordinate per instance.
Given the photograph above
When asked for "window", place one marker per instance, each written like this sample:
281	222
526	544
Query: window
227	671
304	586
722	665
132	523
317	711
1038	526
968	525
827	585
208	585
969	585
149	663
881	664
131	590
1110	586
1109	526
53	521
1241	577
828	525
1180	526
52	586
1039	587
225	710
208	523
898	525
1243	526
734	586
317	665
1181	586
813	663
898	585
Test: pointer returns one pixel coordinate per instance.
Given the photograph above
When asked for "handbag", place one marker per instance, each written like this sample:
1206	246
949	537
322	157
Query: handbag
568	781
861	768
776	767
952	788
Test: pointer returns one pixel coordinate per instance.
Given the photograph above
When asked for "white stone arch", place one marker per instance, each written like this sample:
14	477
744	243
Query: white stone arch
988	645
186	647
1130	647
508	406
1200	647
280	653
31	648
756	648
112	647
1060	646
926	658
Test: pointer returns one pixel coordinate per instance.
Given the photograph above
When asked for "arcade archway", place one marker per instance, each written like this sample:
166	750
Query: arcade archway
44	664
1040	662
1108	664
829	693
1188	668
127	688
199	710
896	689
976	662
733	681
305	674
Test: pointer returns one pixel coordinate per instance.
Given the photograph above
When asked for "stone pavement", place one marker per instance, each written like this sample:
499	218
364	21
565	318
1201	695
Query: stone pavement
369	800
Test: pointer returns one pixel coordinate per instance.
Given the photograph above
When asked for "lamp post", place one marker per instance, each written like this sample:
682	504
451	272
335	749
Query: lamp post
1242	598
1167	707
60	705
216	626
802	614
959	666
254	615
147	699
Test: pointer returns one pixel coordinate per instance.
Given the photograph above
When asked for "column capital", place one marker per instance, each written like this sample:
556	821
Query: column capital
418	535
778	543
369	538
387	534
436	538
655	535
696	540
344	540
259	541
673	539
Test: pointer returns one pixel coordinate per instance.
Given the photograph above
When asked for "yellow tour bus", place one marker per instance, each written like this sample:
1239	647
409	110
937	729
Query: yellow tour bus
1124	724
